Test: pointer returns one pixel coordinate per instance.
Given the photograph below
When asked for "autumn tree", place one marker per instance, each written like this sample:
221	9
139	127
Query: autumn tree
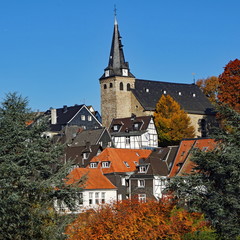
30	172
130	219
209	86
229	85
172	123
213	188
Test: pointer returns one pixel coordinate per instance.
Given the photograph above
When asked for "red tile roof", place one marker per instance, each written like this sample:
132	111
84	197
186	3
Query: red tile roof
121	160
94	179
182	163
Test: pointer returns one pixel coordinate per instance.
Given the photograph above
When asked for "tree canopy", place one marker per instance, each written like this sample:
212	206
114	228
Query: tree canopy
213	188
30	173
131	219
209	86
172	123
229	85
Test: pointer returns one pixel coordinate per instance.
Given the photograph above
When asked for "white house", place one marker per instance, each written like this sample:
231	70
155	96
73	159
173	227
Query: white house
97	190
134	132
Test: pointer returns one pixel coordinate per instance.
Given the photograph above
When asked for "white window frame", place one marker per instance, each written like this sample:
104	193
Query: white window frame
126	164
143	169
105	164
123	180
90	194
142	197
83	117
97	200
89	118
127	139
141	183
93	165
103	197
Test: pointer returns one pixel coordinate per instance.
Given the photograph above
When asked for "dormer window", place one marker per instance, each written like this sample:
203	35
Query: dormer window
85	156
93	165
136	126
194	94
164	92
116	127
142	169
146	90
179	93
105	164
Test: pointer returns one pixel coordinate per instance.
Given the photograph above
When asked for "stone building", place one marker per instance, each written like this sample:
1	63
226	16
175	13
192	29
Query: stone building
123	95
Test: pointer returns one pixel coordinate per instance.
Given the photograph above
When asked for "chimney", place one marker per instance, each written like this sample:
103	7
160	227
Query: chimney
53	116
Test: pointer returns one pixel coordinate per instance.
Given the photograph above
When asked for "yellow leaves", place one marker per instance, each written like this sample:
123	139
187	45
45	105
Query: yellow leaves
172	123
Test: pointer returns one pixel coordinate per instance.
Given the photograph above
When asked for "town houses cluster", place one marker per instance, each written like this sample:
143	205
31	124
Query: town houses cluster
117	151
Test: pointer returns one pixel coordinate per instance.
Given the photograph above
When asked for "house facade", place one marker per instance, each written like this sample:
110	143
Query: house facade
134	132
151	176
95	190
118	165
122	94
78	116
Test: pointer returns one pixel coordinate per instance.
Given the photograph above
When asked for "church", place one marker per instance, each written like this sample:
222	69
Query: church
122	94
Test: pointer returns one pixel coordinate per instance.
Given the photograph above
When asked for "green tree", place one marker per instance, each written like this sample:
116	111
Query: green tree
209	86
30	174
172	123
214	186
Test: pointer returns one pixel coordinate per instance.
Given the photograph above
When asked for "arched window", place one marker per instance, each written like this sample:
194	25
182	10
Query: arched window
128	87
110	85
105	86
121	86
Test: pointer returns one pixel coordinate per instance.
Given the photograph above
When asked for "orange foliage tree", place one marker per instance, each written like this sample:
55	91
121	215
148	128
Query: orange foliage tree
209	86
172	123
229	85
131	220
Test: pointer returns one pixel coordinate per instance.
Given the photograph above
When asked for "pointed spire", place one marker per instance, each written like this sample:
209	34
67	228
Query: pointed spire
117	65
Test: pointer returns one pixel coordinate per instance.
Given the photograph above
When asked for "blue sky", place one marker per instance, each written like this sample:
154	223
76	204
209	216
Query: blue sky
54	51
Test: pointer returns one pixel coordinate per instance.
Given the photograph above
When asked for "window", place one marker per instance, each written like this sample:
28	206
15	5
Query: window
83	117
116	128
90	198
136	163
110	85
136	126
127	140
105	86
142	169
123	180
85	155
103	197
93	164
146	90
141	183
182	153
121	86
126	164
80	198
89	118
105	164
142	197
96	197
128	87
194	95
164	92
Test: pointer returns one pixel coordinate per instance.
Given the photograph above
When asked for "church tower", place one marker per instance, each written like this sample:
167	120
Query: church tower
116	83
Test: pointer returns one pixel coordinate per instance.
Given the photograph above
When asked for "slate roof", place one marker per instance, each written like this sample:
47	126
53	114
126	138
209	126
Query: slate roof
75	153
159	161
182	163
94	179
121	160
192	100
127	124
64	115
91	136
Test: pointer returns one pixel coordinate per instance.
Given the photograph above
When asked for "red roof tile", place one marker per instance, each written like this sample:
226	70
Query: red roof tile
94	178
182	163
121	160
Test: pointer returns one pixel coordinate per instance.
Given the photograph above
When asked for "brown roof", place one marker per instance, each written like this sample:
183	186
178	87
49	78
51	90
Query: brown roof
121	160
94	178
182	163
127	124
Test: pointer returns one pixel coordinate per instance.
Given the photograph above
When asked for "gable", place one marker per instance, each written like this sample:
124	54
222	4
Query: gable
189	96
